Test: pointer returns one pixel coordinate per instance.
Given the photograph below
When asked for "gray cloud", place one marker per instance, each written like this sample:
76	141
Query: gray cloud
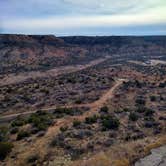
53	15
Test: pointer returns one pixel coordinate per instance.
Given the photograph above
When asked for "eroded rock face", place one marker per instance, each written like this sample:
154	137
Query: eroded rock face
23	53
156	158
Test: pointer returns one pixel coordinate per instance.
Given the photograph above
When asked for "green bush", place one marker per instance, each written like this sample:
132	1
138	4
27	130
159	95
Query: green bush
126	110
109	122
32	158
76	123
78	101
40	120
141	109
61	111
133	116
22	134
104	109
63	128
14	130
138	84
153	98
5	149
149	112
44	90
41	126
18	122
3	133
91	120
162	84
140	102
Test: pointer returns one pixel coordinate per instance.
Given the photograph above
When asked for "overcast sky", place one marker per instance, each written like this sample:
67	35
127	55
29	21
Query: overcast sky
83	17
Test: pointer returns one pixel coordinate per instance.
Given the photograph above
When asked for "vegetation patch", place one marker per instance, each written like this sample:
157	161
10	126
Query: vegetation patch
133	116
22	134
41	120
110	122
91	120
5	149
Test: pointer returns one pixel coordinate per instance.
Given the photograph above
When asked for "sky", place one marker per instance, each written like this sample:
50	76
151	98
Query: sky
83	17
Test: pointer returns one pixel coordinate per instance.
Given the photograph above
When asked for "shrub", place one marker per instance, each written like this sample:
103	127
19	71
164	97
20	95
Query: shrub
41	126
126	110
76	123
32	158
91	120
162	84
153	98
58	141
44	90
40	120
133	116
14	130
71	80
149	118
61	111
104	109
149	112
63	128
140	101
110	122
78	101
18	122
22	134
138	84
141	109
5	149
3	133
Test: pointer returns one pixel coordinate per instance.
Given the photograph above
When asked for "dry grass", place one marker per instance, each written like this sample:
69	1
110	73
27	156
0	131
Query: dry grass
121	162
123	154
155	144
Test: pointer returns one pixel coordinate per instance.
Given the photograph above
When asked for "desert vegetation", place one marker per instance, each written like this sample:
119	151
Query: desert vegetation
81	100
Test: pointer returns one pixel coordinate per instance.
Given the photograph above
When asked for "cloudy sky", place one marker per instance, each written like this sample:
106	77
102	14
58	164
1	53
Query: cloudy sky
83	17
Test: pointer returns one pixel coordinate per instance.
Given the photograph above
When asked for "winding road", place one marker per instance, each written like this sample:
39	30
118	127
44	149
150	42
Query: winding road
93	106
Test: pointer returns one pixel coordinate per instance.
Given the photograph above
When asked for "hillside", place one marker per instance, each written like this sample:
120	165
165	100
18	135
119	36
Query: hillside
81	100
23	53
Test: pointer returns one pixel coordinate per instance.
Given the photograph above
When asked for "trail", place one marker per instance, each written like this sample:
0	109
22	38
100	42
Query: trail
92	106
40	146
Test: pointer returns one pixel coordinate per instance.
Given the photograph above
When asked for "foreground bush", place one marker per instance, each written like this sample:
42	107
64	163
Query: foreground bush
5	149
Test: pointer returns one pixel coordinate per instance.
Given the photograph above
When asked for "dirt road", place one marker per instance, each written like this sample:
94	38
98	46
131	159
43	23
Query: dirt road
93	106
40	144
